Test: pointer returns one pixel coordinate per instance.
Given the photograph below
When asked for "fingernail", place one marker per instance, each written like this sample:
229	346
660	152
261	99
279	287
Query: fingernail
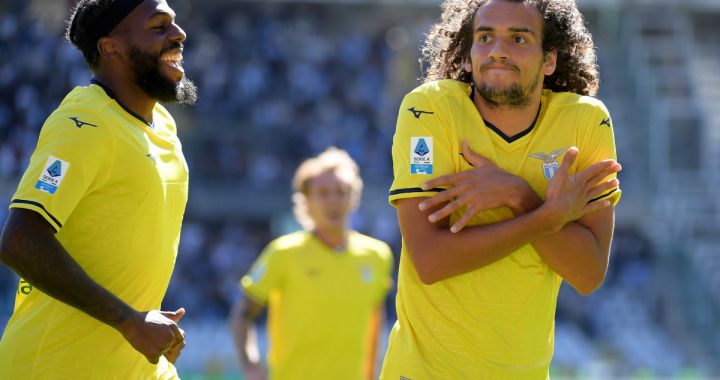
425	187
432	218
454	229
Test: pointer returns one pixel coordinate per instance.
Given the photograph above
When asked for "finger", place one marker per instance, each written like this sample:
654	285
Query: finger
171	356
473	158
180	313
463	221
153	359
595	206
443	181
610	170
437	199
444	212
598	170
177	335
568	161
175	316
602	188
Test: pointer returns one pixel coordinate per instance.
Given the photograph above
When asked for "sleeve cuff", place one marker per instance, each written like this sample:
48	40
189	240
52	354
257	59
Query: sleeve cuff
612	195
40	209
411	192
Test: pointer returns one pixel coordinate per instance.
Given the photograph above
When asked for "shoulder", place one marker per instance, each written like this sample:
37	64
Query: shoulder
441	88
373	246
569	100
166	119
79	117
288	243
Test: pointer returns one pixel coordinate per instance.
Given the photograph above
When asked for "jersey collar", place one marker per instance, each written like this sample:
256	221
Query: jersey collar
111	94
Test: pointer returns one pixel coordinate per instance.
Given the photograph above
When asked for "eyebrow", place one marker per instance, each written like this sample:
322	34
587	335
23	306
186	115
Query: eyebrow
162	13
514	29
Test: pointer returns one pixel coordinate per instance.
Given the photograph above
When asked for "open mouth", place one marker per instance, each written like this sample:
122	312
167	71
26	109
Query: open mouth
173	59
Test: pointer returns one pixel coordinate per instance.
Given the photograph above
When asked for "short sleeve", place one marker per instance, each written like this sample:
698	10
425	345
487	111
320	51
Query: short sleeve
265	275
597	143
73	157
422	148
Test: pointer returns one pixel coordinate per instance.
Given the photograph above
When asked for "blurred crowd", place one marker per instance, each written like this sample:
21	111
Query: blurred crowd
279	83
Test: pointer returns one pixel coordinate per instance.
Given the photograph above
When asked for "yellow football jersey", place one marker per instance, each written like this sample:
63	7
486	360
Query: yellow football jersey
114	189
496	322
319	303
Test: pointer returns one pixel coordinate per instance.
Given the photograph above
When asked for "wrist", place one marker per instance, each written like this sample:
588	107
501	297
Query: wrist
523	198
550	219
129	320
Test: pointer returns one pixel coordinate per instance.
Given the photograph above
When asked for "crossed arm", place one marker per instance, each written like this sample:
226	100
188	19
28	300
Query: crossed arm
570	234
29	247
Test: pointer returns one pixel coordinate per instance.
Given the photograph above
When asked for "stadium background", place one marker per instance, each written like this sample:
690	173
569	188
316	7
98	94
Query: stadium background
281	80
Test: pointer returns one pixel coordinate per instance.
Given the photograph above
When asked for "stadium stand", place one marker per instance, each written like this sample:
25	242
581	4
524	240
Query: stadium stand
281	81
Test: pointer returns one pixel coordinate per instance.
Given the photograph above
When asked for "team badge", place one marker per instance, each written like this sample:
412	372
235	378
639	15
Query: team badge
421	155
366	274
52	175
550	163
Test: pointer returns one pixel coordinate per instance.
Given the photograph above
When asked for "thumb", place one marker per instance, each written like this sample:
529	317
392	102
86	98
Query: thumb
568	161
473	158
175	316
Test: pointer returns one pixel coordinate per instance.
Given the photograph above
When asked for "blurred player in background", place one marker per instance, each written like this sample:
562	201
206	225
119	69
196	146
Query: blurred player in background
503	138
324	286
94	225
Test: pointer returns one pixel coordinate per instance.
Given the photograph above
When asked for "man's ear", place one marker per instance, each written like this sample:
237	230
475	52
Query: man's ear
108	48
550	62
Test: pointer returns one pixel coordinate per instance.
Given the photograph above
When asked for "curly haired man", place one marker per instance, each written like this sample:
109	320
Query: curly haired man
505	185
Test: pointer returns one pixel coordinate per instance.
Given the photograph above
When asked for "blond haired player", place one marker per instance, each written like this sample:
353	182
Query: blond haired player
323	286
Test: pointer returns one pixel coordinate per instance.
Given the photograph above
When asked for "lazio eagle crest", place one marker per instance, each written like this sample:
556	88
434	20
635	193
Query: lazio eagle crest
550	163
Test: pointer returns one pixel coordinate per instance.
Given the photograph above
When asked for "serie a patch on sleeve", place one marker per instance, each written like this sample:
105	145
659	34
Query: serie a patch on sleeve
52	175
421	155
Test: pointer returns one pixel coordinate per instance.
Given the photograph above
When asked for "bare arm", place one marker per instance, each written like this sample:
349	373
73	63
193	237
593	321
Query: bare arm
29	247
578	252
242	323
581	250
377	321
438	253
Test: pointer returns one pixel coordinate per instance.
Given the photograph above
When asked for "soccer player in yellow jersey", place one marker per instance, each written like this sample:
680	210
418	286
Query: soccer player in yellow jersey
94	225
504	185
324	286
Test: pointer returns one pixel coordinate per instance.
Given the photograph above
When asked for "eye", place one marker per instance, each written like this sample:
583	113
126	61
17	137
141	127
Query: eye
519	39
484	38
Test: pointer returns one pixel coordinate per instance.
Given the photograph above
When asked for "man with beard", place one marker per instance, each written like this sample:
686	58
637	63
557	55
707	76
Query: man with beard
94	225
504	139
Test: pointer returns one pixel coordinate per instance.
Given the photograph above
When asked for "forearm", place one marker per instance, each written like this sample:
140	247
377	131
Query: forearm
42	261
580	251
438	254
242	324
376	323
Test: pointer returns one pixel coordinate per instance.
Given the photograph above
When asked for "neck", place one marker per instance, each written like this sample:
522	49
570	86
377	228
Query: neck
510	120
128	95
335	238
